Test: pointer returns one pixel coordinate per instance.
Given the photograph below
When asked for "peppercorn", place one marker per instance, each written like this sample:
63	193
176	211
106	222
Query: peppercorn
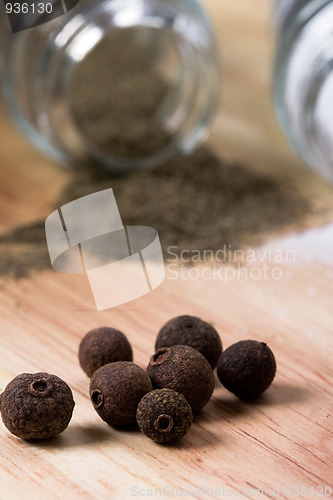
164	415
247	368
36	406
184	370
101	346
192	331
116	390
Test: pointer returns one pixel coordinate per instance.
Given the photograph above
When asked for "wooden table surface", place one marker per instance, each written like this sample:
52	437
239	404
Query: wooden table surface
278	446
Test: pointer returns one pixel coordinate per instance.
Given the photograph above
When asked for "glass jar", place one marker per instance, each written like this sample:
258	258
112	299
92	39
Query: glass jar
303	79
124	83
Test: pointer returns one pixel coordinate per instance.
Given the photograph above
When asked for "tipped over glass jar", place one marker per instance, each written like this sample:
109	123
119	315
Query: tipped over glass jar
123	83
303	78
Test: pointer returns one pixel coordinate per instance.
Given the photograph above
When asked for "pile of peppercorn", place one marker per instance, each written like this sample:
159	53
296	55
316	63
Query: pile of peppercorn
178	382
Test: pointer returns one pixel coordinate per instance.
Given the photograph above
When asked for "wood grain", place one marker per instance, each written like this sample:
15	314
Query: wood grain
234	449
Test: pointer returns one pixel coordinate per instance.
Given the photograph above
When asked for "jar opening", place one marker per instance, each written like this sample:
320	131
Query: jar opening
120	93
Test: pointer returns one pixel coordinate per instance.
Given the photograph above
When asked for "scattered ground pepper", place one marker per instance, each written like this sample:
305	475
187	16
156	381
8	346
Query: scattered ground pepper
195	202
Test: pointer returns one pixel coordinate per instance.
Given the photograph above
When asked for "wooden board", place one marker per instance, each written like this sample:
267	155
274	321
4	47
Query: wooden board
269	448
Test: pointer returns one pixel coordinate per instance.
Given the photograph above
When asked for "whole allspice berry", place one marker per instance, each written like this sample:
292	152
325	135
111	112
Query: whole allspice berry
116	390
36	406
101	346
184	370
247	368
164	415
192	331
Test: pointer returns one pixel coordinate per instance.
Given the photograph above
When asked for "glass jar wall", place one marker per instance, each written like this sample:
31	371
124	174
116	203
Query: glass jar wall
303	79
123	83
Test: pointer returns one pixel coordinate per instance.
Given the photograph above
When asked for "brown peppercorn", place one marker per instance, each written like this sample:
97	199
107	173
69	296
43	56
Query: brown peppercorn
184	370
247	368
36	406
164	415
192	331
101	346
116	390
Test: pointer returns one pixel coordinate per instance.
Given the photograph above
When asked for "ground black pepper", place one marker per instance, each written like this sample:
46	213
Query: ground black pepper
184	370
101	346
221	205
221	201
247	368
164	415
118	109
116	390
192	331
36	406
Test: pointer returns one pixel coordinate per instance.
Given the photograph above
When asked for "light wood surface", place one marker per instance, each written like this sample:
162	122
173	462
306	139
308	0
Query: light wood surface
285	439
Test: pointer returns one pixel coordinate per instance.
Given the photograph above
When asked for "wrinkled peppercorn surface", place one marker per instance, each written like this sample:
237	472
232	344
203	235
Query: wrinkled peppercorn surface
36	406
192	331
164	415
116	390
184	370
247	368
101	346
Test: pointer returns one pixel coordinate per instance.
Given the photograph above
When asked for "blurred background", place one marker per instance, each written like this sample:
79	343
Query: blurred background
242	186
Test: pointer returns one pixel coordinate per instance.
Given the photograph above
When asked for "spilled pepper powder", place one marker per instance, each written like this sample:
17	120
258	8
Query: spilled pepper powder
199	201
195	202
